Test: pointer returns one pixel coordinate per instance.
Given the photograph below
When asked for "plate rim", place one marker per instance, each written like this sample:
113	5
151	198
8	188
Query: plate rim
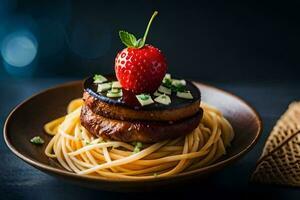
64	172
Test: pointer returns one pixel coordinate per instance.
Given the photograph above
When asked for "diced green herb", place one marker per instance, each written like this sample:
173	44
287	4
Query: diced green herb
167	78
163	99
137	147
167	83
178	85
185	95
178	88
176	82
144	99
156	93
102	87
114	94
164	90
116	84
99	78
115	90
37	140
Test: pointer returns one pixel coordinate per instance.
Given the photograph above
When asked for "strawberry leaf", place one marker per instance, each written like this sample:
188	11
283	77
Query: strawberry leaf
128	39
140	43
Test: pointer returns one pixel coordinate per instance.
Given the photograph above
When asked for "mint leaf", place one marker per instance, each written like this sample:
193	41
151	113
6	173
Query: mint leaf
127	38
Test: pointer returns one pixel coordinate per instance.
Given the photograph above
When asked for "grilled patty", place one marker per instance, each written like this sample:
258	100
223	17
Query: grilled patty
124	119
143	131
114	111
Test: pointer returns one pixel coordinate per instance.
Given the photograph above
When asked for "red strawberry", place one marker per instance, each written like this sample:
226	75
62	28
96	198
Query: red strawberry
139	68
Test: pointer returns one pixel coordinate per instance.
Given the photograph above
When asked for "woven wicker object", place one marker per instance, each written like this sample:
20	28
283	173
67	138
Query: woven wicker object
282	165
288	124
280	160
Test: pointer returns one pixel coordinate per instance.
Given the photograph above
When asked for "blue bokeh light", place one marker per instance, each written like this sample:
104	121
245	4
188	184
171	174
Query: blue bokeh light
19	48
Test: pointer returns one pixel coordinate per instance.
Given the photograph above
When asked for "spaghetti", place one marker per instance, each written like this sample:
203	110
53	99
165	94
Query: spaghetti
78	151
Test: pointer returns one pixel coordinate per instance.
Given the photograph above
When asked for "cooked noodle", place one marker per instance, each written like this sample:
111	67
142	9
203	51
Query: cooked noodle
78	151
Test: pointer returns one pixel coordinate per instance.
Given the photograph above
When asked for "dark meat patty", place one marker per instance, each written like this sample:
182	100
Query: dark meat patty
121	112
138	130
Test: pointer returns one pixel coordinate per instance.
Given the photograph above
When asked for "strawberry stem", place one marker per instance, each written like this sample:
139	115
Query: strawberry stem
148	27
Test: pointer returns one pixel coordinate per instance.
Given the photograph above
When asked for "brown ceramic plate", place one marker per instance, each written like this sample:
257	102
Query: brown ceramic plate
27	120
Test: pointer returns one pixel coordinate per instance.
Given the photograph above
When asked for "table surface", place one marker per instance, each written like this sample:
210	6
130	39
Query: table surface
18	180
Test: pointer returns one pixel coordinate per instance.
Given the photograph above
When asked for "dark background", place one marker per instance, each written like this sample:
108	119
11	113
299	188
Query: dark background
246	47
204	40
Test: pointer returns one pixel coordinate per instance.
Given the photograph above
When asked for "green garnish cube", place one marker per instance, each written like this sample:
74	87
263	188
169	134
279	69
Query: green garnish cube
37	140
167	77
164	90
99	78
114	93
163	99
115	90
185	95
137	148
178	83
144	99
156	93
102	87
167	81
116	84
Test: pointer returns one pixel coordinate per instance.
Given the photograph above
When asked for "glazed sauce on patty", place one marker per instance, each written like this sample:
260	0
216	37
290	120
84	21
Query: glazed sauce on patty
129	99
